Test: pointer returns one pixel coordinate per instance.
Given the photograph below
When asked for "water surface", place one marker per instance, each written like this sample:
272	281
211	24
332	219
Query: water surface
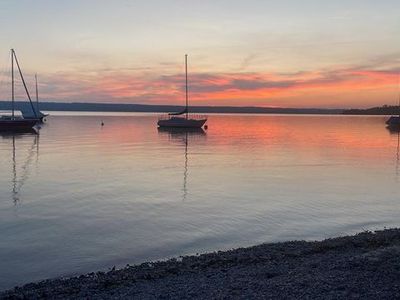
79	197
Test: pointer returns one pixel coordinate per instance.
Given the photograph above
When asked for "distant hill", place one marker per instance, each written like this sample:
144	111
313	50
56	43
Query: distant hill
382	110
110	107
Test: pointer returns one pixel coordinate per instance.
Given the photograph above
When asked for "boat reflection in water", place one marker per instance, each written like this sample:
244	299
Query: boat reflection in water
182	136
20	169
393	129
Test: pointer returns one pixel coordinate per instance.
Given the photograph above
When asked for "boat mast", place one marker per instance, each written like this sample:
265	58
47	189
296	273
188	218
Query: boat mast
12	83
37	94
23	81
186	81
398	88
399	97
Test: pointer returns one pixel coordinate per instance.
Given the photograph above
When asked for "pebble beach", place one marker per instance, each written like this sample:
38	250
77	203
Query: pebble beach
366	265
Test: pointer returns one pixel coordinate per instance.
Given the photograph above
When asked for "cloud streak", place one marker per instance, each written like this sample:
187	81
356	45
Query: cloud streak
241	88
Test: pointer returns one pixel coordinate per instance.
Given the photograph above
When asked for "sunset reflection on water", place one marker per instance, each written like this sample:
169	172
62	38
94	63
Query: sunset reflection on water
91	196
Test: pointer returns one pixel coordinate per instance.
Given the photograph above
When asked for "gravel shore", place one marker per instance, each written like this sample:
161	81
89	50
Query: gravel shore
365	266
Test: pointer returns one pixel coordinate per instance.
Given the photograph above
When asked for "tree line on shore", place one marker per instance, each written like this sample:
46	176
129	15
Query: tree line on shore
381	110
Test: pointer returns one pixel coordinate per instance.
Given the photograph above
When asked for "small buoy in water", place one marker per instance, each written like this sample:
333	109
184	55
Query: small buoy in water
205	126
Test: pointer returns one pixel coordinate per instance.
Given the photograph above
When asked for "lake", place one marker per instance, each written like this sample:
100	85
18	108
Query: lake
79	197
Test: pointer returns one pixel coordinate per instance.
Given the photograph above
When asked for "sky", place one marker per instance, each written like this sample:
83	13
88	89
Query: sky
287	53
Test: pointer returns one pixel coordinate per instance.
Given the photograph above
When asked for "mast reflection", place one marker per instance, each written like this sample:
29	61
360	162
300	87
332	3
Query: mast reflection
398	154
395	130
182	136
18	182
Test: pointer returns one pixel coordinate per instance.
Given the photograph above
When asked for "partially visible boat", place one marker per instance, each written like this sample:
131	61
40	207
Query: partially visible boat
394	121
182	119
13	122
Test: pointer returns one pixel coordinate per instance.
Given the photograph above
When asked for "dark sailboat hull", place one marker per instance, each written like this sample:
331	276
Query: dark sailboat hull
393	121
182	123
17	125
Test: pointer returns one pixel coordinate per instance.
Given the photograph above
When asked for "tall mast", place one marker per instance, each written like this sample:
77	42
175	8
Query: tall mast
186	80
12	82
37	95
398	88
399	95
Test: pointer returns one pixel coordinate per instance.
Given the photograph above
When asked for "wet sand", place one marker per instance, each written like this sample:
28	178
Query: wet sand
365	266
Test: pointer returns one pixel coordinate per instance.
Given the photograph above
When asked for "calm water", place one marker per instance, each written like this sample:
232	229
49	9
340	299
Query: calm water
78	197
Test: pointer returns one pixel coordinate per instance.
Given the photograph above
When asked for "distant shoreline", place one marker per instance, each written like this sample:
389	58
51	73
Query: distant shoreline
110	107
113	107
366	265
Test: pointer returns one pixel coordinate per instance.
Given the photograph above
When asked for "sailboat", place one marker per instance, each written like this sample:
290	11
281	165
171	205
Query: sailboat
182	119
394	121
39	115
13	122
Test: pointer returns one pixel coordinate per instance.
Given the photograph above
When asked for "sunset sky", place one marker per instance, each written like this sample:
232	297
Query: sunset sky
308	53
